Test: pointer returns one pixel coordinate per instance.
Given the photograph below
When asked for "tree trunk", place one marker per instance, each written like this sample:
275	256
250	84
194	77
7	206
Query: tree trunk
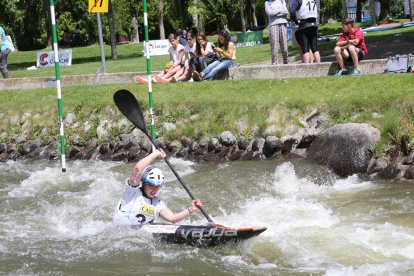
318	5
46	4
161	18
412	10
344	10
243	21
114	54
358	10
253	12
385	12
134	27
372	10
195	16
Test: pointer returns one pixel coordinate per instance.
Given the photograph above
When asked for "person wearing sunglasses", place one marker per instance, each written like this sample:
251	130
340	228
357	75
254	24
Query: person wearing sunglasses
175	66
190	55
225	53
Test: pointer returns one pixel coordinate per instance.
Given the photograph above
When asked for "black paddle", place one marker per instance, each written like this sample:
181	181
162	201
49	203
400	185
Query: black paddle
129	106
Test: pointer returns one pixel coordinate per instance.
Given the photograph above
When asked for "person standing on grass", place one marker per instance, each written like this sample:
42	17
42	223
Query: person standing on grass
296	45
277	12
305	13
350	46
4	52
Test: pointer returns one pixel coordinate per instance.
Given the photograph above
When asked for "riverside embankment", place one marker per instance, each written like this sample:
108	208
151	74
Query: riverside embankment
265	119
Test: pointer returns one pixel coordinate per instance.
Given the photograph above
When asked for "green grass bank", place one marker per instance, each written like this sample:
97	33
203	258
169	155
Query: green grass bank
266	107
86	60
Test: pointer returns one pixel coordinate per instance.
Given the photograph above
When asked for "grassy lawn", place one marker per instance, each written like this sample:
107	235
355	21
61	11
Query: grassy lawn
87	60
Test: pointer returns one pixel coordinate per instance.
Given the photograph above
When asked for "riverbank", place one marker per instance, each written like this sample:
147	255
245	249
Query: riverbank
192	117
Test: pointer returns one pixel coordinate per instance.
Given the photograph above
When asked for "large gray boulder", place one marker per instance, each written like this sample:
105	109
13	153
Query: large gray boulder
346	148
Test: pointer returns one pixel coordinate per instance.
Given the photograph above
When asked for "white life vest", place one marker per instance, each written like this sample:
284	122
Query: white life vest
309	9
135	209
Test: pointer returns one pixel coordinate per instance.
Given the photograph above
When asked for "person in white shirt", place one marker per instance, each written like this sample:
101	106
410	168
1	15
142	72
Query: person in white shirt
174	67
190	54
140	204
304	13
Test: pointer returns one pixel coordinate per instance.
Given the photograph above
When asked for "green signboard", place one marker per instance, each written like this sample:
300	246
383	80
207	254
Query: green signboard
247	39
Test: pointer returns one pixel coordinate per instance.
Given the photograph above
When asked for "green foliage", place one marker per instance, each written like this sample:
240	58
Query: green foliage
330	9
213	11
28	21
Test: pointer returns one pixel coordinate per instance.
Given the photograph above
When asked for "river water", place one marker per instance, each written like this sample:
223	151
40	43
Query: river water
318	224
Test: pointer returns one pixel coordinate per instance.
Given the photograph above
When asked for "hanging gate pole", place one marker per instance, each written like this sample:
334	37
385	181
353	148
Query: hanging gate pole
147	55
58	86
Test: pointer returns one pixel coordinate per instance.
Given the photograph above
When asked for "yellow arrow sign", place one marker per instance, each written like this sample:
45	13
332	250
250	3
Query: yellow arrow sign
98	5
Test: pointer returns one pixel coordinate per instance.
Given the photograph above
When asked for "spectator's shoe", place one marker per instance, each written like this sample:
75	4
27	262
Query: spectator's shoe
356	72
140	79
197	76
161	79
342	72
173	80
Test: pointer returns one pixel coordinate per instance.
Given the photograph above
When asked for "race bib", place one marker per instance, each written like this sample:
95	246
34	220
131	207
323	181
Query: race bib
147	210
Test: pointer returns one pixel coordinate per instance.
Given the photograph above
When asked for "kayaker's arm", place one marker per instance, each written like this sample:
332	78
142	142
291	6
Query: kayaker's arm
169	216
135	178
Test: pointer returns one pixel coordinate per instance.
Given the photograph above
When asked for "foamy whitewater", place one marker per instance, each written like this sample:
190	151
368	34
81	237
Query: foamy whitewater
61	223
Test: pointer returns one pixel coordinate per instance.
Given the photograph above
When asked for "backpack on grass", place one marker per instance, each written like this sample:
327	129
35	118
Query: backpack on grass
398	64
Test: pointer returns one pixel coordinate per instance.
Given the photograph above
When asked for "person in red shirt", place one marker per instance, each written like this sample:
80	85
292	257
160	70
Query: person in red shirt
350	46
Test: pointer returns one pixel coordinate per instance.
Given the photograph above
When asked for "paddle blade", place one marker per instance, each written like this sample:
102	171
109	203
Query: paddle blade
129	106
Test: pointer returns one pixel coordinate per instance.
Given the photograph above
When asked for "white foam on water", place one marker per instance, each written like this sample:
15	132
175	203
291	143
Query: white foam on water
234	260
310	234
183	167
352	183
392	268
72	213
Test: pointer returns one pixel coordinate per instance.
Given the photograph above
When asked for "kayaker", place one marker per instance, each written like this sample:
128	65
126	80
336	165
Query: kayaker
140	204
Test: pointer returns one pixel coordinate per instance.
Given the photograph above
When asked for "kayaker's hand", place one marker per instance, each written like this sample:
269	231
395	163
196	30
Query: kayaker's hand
161	153
194	204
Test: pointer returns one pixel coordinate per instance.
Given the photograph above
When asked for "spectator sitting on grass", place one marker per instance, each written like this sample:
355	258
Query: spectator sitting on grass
190	53
205	54
182	38
350	46
225	52
176	65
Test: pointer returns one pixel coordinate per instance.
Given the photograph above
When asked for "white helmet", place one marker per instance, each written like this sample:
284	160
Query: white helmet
152	176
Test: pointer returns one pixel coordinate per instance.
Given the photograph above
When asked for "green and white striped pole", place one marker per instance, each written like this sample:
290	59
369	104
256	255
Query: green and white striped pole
147	55
58	87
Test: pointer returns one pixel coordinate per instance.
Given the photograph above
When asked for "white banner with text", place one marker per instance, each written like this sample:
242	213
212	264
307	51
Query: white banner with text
45	59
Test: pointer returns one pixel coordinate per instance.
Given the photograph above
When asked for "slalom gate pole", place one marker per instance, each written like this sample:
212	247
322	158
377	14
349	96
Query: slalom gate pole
147	55
58	87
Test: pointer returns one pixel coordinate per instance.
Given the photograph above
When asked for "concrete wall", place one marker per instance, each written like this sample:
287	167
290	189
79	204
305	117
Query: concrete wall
375	66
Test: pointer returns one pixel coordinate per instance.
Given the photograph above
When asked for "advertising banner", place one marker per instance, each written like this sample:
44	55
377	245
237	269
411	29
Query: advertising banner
159	47
45	59
247	39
